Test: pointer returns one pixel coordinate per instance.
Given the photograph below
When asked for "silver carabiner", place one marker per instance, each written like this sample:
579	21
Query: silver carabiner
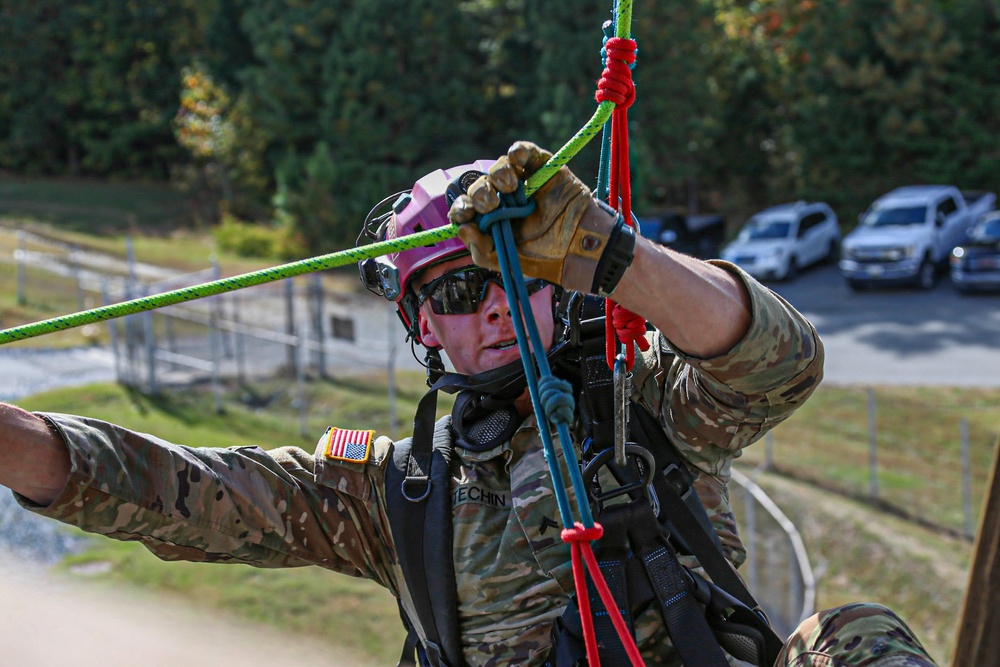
623	390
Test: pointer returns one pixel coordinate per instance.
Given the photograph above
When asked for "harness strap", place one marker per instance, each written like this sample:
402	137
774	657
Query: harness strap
685	619
418	495
680	503
612	552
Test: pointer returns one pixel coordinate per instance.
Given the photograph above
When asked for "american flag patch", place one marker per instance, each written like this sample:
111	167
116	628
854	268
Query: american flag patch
345	445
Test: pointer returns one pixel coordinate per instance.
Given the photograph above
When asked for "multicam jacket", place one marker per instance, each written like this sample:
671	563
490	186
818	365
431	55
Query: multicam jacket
286	507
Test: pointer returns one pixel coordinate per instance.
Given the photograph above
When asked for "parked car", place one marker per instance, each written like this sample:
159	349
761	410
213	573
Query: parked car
696	235
779	241
907	235
975	265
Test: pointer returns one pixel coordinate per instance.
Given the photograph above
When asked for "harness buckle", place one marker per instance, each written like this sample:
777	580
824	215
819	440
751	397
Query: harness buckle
675	477
643	470
418	495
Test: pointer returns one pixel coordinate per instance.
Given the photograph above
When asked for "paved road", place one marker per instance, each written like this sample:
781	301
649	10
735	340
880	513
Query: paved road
900	335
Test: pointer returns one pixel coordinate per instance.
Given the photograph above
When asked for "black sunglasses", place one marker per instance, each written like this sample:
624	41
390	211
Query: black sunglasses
460	292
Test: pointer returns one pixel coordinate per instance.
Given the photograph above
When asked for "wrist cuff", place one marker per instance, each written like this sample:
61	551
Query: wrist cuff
615	259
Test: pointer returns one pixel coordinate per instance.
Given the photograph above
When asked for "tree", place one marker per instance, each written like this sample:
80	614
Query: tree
382	83
92	84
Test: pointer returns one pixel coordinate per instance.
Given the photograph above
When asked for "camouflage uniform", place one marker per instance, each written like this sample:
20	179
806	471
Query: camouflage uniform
287	508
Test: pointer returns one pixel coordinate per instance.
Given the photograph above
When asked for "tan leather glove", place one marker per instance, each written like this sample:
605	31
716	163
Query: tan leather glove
570	239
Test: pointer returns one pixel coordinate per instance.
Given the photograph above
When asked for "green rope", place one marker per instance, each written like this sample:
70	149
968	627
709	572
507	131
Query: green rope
623	23
290	270
623	29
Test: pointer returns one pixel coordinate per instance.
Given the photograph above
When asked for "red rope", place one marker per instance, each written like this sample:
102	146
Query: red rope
580	539
616	86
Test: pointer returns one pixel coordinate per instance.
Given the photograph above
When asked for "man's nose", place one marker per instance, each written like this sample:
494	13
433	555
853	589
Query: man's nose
495	302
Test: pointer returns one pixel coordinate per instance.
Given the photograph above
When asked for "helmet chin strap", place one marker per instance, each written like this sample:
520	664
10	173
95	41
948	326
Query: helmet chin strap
484	415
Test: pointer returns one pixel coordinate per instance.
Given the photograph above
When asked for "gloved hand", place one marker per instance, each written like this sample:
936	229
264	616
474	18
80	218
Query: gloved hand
570	239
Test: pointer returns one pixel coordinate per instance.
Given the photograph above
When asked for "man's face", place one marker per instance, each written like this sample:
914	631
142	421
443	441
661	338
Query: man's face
485	339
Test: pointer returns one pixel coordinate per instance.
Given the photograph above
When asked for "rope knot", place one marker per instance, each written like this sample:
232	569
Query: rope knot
580	534
557	399
513	206
616	81
631	328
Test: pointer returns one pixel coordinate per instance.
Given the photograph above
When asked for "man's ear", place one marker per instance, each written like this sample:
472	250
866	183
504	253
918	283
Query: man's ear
428	338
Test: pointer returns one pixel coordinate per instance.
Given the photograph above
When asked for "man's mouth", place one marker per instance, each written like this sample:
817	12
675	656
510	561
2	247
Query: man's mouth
504	344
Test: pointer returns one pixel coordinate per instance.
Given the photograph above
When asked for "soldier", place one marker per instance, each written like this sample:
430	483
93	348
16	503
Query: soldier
728	360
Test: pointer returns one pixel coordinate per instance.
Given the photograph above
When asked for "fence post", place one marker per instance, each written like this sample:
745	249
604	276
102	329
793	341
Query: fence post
796	594
74	259
149	336
872	448
216	306
20	258
239	343
750	507
130	293
290	320
769	451
318	296
112	332
977	641
300	380
213	335
966	477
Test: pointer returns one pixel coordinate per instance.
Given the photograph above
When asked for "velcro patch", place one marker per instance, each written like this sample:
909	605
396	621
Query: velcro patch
346	445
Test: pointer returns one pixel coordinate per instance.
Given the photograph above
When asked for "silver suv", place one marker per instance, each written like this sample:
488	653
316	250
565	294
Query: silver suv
775	243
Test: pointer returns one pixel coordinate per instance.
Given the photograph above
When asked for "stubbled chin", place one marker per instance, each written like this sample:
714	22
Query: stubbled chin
496	358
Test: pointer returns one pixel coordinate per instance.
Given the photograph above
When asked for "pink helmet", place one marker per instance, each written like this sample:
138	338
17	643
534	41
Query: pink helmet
422	208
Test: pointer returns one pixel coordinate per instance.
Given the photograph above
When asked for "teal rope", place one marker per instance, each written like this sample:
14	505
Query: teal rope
551	398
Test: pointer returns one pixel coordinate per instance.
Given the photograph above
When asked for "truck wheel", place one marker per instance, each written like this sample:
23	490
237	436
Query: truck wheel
927	274
792	271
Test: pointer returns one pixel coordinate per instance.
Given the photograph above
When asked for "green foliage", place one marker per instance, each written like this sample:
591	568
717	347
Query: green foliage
316	111
87	84
244	239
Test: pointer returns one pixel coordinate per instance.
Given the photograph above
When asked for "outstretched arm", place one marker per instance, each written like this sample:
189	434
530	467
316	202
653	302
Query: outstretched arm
34	461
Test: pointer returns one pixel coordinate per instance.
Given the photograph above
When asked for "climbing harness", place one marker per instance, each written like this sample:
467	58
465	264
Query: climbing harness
637	554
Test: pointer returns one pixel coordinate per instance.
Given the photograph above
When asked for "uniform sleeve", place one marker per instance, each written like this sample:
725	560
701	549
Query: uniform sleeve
712	408
277	508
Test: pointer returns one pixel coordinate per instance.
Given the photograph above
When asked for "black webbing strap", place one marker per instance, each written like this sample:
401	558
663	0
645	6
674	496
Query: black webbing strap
677	498
612	553
684	617
412	650
419	507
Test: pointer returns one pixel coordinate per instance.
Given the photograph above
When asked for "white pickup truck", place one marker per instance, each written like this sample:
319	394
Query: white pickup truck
905	236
